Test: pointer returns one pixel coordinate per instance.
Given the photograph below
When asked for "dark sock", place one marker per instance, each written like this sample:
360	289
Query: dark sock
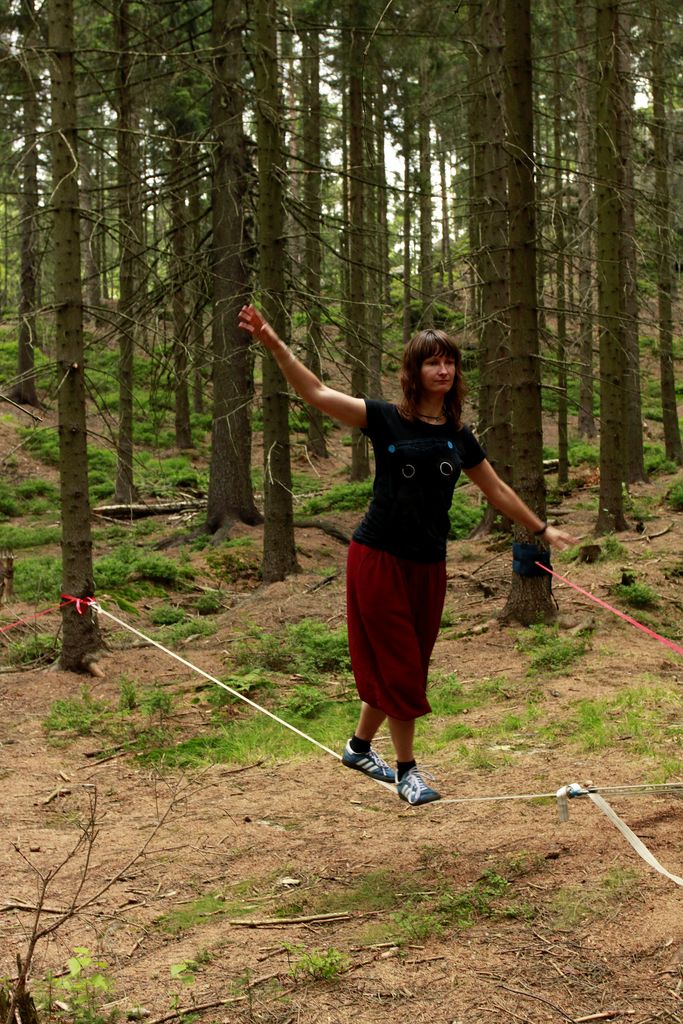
402	767
359	746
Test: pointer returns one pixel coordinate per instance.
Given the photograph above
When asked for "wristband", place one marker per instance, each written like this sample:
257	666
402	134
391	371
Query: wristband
541	531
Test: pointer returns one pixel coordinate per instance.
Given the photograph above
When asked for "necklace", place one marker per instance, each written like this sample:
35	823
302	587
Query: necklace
433	419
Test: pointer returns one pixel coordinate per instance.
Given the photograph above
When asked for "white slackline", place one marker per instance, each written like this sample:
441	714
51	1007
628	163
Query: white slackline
637	844
218	682
573	790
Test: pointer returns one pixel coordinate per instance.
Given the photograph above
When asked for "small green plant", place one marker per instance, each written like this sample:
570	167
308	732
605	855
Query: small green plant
128	694
611	548
157	702
305	702
317	965
675	496
248	684
85	985
184	972
209	603
415	925
167	615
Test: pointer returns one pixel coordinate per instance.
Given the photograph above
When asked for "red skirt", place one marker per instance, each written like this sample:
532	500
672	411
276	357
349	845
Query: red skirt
394	611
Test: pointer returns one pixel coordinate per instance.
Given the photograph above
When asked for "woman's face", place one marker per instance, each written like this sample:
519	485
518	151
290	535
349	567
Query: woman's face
437	374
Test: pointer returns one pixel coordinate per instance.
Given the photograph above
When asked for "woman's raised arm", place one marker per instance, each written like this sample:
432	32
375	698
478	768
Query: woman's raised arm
345	408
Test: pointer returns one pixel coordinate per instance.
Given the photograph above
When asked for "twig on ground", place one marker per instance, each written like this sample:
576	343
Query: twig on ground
540	999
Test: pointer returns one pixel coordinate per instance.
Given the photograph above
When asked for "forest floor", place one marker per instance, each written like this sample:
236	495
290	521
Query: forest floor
287	889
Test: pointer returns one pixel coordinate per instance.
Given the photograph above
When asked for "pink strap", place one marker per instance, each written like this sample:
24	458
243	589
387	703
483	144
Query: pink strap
603	604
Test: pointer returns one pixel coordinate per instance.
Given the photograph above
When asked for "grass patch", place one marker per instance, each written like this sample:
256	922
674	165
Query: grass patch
190	915
352	497
235	560
18	538
464	515
38	579
308	648
674	496
642	719
254	737
548	651
35	649
81	716
576	904
636	595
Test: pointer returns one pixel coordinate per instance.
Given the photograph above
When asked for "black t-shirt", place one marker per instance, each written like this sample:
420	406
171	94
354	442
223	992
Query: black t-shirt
416	469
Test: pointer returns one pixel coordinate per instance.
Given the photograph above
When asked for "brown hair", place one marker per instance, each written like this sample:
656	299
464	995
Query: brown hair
423	346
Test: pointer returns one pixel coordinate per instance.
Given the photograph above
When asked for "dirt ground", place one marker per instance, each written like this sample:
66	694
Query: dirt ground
299	829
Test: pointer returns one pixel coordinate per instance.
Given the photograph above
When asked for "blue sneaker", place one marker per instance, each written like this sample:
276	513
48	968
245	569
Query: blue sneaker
370	764
415	790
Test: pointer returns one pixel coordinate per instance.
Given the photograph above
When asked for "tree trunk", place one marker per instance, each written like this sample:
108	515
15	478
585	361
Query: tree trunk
475	119
609	253
312	148
231	496
634	458
584	217
530	598
494	419
199	287
81	636
279	553
446	273
662	210
425	194
181	321
560	265
407	225
128	200
360	461
92	278
375	194
24	391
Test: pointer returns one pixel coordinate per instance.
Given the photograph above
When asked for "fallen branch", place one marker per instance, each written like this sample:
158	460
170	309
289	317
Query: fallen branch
142	510
605	1015
61	791
181	1012
325	525
269	922
31	908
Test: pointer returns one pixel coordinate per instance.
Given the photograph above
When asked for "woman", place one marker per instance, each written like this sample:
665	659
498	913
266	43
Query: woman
396	569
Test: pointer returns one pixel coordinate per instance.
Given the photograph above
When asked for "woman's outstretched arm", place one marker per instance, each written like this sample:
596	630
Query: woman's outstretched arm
510	504
345	408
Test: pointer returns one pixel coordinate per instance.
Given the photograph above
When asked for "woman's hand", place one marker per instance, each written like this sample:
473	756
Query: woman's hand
255	323
557	538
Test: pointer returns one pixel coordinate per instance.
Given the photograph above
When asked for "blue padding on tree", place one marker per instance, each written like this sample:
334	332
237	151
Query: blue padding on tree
525	556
